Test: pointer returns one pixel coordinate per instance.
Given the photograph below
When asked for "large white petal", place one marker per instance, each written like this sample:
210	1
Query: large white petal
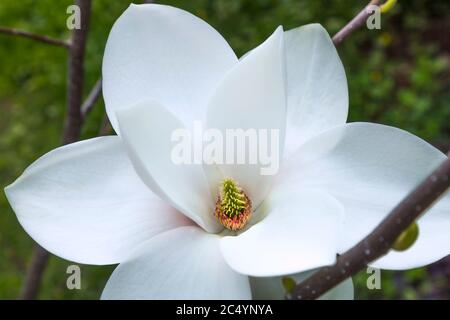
370	168
147	130
166	54
271	288
299	233
184	263
252	97
85	203
317	93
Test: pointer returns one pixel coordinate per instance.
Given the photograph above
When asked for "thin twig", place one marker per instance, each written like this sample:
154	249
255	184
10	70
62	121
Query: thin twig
380	240
34	273
355	23
105	127
91	99
34	36
72	130
74	118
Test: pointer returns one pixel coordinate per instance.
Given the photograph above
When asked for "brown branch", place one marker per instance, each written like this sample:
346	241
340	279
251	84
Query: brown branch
380	240
33	36
74	117
72	130
355	23
34	273
92	98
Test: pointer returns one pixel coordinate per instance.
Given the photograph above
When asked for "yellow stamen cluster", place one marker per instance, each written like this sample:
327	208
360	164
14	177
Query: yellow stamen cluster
233	207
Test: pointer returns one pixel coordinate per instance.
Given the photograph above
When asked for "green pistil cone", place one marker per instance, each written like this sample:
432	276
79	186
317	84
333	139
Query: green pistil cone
232	198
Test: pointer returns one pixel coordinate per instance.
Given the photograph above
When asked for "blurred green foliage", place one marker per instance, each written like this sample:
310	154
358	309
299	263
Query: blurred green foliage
398	75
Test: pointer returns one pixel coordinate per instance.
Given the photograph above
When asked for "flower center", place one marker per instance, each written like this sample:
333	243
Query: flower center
233	207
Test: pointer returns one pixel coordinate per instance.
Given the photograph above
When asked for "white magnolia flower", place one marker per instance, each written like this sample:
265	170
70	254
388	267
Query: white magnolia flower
120	199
